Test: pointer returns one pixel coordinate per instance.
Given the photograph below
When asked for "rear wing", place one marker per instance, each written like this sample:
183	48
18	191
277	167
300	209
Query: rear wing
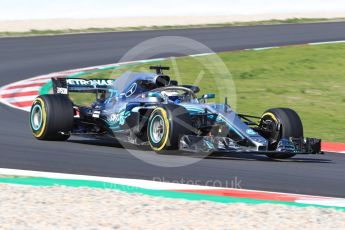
66	85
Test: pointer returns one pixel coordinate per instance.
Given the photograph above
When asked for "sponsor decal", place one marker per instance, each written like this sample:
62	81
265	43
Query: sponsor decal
114	118
131	90
95	82
118	118
61	90
250	132
96	114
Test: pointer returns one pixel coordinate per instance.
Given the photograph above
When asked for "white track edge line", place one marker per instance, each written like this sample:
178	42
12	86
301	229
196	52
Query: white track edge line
322	43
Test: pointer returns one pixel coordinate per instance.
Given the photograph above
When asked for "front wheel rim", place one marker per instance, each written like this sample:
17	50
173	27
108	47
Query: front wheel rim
157	129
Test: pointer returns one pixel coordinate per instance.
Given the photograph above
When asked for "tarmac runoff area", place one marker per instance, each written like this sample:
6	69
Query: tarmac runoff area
30	207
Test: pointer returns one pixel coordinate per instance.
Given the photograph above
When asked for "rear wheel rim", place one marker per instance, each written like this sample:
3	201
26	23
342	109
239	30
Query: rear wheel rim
36	117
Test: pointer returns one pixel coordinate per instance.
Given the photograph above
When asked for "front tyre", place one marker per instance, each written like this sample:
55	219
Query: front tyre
281	123
166	125
51	117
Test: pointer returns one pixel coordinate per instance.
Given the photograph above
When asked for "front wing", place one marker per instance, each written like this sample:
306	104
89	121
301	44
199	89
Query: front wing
209	144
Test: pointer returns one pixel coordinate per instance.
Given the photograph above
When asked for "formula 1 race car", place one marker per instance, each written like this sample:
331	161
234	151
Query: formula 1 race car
150	109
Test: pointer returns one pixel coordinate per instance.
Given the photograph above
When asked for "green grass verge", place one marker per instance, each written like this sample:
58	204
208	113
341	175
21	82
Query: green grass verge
118	29
308	79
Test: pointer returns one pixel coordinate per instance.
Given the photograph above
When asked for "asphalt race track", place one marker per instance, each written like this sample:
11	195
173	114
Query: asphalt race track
21	58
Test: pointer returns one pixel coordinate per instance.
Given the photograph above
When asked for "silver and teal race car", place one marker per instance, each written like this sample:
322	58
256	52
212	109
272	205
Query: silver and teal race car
150	109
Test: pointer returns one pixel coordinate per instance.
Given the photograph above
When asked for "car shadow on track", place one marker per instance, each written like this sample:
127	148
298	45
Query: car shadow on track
110	143
253	157
214	156
104	143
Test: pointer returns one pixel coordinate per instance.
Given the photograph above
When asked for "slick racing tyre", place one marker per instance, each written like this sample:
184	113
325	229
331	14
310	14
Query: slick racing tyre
51	117
165	127
283	123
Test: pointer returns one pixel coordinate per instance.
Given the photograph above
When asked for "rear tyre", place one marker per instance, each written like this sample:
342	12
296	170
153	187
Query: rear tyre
165	127
51	117
283	123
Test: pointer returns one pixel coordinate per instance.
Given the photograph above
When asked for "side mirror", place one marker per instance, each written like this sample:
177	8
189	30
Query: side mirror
208	96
